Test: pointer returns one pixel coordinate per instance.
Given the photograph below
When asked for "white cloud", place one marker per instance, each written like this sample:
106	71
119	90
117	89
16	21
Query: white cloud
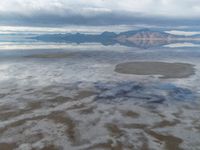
186	33
168	8
96	12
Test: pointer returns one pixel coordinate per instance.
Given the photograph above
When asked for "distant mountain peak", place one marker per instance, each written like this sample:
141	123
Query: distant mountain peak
106	33
143	38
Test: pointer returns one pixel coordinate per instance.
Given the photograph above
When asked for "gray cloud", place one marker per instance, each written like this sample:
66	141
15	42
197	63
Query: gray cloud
98	12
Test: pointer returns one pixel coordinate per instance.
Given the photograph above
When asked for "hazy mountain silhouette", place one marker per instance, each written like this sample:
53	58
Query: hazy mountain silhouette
144	38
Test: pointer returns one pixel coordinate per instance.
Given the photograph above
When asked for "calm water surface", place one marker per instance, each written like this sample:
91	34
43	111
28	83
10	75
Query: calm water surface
58	96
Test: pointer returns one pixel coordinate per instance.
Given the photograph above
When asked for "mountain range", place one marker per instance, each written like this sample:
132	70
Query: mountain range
143	38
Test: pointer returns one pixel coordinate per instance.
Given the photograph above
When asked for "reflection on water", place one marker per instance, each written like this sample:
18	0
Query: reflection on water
176	45
139	93
72	98
126	115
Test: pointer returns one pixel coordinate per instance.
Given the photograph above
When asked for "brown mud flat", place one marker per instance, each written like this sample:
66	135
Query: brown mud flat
166	70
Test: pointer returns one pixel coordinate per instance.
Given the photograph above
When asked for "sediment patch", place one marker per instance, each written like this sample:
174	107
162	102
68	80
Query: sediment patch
166	70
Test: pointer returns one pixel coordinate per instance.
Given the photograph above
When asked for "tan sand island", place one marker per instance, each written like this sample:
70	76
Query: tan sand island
166	70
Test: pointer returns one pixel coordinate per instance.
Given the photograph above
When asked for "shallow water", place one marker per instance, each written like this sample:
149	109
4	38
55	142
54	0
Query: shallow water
71	98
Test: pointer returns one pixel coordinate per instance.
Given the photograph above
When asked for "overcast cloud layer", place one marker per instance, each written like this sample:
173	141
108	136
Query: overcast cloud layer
99	12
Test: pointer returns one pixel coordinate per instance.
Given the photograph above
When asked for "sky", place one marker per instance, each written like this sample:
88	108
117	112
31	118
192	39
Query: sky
99	12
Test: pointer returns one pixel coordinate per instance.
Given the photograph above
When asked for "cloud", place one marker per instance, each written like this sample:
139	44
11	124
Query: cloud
51	12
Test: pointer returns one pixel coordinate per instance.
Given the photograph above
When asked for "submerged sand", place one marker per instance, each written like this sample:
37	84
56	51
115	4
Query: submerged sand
166	70
53	55
122	115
